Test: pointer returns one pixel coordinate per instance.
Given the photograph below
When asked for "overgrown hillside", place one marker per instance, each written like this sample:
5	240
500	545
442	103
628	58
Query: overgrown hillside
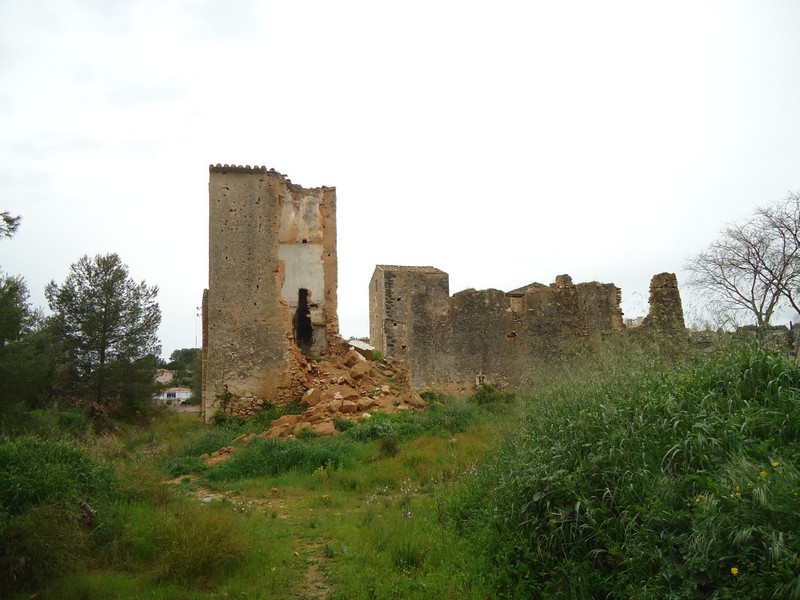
648	485
629	476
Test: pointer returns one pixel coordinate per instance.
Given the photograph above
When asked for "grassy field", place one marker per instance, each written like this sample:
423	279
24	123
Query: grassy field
633	475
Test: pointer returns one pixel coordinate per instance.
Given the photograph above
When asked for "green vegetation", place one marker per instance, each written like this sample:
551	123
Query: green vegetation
108	324
679	483
635	474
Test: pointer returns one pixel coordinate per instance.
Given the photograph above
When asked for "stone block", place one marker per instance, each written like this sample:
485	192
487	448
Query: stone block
325	428
286	420
352	357
311	398
360	370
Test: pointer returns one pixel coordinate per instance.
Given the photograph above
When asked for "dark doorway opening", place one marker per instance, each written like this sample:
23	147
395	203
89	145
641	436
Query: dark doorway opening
303	331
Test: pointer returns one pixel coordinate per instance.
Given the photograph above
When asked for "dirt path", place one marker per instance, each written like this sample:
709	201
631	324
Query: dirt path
313	584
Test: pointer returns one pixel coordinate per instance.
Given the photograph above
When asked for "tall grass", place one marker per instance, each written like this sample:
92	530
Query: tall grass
649	484
273	457
46	489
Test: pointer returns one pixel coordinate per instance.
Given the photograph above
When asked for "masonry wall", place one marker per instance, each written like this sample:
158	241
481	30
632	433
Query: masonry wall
452	343
272	292
394	294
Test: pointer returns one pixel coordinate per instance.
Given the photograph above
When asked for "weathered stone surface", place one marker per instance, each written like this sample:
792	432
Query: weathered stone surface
365	403
448	343
340	392
348	407
352	357
325	428
286	420
272	288
359	370
666	309
311	398
415	400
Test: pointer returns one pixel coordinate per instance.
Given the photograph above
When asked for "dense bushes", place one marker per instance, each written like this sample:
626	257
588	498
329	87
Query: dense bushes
677	484
46	491
443	416
271	457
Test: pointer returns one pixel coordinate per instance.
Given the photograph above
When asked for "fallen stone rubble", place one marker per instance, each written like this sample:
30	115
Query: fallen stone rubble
346	386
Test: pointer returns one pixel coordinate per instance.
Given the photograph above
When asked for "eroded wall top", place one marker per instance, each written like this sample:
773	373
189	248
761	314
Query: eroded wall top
450	343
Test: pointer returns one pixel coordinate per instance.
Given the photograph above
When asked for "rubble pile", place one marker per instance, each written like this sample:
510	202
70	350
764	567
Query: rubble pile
348	387
342	385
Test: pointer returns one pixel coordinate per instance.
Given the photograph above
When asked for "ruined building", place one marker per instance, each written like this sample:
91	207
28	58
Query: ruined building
452	343
271	304
272	286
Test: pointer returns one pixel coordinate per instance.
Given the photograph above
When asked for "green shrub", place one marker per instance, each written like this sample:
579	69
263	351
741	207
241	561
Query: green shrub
181	465
35	471
374	428
39	543
448	416
198	543
488	394
45	486
264	417
681	483
259	421
342	424
407	551
306	433
432	396
272	457
390	445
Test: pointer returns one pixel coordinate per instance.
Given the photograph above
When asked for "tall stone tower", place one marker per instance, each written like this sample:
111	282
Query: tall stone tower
271	294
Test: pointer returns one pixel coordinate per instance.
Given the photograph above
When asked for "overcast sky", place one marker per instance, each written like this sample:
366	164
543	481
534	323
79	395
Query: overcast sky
503	142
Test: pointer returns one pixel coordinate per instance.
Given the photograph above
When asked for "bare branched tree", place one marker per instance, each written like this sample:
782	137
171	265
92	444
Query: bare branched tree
754	267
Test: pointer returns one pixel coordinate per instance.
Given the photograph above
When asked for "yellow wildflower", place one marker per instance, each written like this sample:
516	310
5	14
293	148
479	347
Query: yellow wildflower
763	473
776	464
735	571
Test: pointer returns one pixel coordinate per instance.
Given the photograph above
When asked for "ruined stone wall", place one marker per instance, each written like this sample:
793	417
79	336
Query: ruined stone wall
452	343
666	309
393	294
272	292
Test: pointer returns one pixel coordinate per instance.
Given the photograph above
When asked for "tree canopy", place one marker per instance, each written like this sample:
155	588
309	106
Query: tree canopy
8	224
109	322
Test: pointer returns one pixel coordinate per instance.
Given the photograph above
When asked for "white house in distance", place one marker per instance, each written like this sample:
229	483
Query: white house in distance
174	395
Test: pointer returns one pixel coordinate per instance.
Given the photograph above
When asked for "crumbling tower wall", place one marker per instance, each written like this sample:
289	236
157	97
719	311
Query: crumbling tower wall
272	294
666	309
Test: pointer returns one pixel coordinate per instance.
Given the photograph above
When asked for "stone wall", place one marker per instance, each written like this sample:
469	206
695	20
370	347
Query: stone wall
272	295
666	309
452	343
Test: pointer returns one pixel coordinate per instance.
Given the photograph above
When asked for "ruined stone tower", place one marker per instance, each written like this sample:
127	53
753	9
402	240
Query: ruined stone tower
272	286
